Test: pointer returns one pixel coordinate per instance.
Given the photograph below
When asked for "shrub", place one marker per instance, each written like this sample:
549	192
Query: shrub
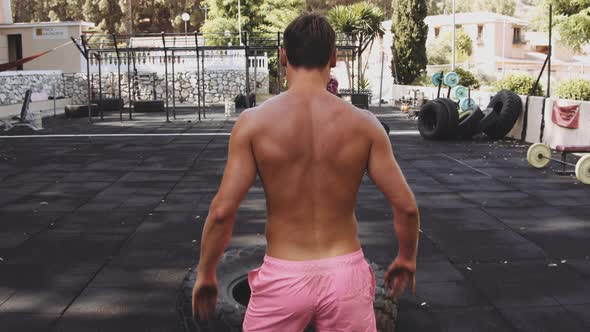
423	80
576	89
520	84
467	79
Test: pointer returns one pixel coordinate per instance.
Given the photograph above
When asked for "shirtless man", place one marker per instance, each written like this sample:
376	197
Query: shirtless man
311	150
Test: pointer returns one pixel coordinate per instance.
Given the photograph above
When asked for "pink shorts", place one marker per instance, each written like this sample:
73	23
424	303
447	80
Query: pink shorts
333	294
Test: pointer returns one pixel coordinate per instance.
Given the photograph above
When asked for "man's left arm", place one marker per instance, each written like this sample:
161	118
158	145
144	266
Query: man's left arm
238	176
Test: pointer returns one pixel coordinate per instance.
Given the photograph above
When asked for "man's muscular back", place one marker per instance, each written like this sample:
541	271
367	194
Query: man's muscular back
311	154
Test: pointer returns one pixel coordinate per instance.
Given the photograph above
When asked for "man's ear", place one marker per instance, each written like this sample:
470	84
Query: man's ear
333	58
282	57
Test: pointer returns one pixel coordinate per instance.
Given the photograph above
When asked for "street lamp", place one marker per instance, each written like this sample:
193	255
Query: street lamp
185	17
240	21
454	30
227	34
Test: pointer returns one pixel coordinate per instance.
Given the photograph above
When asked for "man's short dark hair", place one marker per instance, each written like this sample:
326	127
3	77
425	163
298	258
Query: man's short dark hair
309	41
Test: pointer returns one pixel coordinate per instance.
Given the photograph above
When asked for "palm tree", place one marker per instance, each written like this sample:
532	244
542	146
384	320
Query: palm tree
361	22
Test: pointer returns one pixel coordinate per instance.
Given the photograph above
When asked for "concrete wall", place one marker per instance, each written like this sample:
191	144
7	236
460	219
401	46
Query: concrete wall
3	49
5	12
553	134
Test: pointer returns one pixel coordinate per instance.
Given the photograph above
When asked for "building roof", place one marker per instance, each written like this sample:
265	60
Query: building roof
47	24
473	18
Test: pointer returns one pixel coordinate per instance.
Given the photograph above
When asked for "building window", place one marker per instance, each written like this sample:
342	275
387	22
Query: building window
516	36
436	32
479	32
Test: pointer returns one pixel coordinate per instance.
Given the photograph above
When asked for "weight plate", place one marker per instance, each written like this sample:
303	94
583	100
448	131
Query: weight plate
464	114
583	169
538	155
459	92
467	104
451	79
437	78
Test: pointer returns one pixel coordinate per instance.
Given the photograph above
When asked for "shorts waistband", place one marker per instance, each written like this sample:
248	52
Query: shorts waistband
323	264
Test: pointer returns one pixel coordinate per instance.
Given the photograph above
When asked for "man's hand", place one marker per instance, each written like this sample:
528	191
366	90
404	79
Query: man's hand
399	274
204	298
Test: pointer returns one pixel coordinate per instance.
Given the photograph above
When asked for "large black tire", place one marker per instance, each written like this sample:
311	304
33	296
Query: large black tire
433	120
453	113
234	293
488	120
469	125
508	106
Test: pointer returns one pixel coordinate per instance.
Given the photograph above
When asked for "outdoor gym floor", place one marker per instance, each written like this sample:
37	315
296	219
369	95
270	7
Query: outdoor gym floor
97	233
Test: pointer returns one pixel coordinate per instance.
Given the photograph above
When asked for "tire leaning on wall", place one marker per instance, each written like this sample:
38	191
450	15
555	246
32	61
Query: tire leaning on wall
232	276
508	106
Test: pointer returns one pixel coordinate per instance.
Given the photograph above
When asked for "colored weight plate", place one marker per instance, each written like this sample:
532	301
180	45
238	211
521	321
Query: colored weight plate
467	104
451	79
583	169
459	92
538	155
437	78
464	114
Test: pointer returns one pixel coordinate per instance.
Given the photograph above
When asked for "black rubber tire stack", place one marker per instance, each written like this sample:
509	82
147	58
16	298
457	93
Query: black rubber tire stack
507	105
469	125
438	119
232	273
80	111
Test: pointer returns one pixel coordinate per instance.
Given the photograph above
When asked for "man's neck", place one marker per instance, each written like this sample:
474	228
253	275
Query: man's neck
307	80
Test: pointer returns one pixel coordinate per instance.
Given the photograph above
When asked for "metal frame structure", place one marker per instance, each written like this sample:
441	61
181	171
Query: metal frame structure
97	45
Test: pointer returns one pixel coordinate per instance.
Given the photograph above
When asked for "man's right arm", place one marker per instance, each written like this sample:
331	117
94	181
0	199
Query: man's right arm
385	172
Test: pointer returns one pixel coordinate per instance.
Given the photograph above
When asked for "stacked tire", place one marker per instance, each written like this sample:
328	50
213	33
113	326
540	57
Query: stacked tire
440	118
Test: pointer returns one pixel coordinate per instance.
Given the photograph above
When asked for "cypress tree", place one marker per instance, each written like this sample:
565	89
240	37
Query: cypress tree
409	39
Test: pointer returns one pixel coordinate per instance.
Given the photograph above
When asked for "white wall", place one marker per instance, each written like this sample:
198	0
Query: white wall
553	135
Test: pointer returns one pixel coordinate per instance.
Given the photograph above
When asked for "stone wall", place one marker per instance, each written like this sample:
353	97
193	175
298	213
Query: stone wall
14	84
219	86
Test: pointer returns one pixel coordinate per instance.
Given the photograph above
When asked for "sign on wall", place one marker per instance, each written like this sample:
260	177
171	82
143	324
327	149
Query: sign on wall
50	33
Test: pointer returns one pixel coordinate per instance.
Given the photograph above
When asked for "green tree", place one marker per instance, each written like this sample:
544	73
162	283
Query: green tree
361	22
252	16
440	51
409	39
214	31
573	21
279	13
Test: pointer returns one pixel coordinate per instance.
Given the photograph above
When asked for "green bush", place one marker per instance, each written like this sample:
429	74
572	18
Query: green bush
520	84
576	89
467	79
423	80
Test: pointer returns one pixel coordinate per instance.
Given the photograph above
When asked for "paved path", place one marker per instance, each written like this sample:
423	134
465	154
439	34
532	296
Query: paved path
96	233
